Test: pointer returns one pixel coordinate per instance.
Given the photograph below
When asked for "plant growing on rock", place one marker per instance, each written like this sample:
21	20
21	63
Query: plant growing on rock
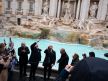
44	33
73	37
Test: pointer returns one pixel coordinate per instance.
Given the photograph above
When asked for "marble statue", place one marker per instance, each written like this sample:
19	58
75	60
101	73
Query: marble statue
67	12
67	16
93	10
45	8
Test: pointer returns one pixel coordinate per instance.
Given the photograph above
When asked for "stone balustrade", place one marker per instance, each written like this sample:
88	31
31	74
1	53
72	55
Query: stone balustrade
8	11
19	12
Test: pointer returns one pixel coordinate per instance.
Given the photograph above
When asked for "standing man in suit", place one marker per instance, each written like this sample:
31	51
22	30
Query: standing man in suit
23	52
49	61
35	57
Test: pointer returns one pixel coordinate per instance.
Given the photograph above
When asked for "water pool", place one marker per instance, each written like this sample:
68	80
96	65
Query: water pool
43	44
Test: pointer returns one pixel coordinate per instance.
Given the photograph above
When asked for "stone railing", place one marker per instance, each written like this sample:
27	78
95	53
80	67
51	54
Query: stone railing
8	11
19	12
31	13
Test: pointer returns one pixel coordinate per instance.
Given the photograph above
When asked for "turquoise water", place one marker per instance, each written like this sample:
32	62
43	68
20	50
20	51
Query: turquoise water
70	48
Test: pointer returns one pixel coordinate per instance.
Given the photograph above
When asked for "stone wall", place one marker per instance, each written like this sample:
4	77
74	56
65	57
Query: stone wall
75	9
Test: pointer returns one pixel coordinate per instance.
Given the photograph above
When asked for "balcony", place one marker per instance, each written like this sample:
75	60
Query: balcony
19	12
8	11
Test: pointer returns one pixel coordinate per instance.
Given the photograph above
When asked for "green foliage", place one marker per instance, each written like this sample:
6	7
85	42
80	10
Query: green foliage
58	35
36	35
15	33
44	33
24	34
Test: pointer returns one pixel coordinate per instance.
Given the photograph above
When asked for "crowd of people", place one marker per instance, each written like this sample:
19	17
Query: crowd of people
8	61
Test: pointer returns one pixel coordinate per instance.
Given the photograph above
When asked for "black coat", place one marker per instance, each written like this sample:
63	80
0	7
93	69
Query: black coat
35	54
1	67
106	54
74	62
50	57
23	56
89	69
63	61
12	51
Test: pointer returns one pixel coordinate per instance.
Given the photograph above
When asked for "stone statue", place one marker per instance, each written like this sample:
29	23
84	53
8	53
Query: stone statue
93	10
45	8
67	16
68	11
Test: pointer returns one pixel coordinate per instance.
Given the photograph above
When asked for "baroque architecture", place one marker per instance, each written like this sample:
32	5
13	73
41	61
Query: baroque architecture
26	18
20	10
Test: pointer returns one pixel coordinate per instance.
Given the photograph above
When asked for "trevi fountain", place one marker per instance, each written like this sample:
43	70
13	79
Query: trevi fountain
63	18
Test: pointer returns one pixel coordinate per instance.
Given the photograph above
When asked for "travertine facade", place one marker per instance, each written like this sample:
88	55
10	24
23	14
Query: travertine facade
75	9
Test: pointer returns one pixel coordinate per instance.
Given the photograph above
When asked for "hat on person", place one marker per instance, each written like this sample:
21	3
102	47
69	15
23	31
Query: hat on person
106	54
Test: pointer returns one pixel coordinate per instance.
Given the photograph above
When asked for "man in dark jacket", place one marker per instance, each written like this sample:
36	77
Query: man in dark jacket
49	61
63	61
23	52
34	59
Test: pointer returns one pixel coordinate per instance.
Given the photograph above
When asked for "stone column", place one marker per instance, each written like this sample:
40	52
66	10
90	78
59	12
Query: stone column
78	9
14	6
1	7
102	10
84	9
53	8
25	7
59	8
38	7
4	6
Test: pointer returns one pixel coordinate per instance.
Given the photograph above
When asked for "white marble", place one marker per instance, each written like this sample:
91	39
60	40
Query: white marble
84	9
2	12
4	3
38	7
78	9
93	9
53	8
25	7
14	6
59	8
102	10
